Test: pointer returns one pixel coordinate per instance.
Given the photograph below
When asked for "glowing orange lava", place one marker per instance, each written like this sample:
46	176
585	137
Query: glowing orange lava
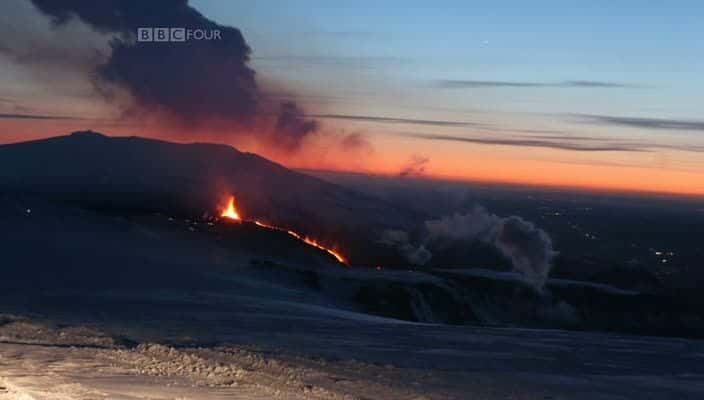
306	240
230	212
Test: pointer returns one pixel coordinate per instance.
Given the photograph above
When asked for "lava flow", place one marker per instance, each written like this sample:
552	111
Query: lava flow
230	212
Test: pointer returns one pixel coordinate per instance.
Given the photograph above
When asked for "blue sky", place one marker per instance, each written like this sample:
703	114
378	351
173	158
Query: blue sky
393	46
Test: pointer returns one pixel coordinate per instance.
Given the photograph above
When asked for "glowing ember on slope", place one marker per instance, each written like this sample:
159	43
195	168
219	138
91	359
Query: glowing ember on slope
230	212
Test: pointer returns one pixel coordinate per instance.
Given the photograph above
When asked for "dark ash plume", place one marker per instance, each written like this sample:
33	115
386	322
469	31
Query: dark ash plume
355	141
292	126
195	81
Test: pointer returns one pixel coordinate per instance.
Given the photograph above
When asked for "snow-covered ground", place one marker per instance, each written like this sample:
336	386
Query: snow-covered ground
242	347
98	306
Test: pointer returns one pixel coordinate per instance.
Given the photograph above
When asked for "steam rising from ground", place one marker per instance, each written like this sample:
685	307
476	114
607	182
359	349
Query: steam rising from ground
416	255
528	247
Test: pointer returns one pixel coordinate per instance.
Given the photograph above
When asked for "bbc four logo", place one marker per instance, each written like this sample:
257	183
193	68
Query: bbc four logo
172	34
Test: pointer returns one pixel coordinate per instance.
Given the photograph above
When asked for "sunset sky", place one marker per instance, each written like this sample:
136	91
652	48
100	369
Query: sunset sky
597	94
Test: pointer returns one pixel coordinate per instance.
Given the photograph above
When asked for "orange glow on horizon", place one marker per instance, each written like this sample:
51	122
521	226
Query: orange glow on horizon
637	173
666	172
644	181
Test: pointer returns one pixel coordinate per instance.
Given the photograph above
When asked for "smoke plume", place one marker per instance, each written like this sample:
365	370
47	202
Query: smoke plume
528	247
292	126
414	167
197	83
416	255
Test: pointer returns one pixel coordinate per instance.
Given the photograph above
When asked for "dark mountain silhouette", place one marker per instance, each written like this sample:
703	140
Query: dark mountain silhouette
147	175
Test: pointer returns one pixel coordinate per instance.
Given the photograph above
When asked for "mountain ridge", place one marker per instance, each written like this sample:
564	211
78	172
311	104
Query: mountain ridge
195	178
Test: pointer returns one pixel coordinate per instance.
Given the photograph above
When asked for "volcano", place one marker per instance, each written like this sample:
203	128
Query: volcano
147	175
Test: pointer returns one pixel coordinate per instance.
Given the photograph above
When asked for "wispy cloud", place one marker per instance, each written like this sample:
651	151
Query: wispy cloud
567	143
394	120
521	142
363	62
461	84
570	137
352	34
12	106
599	84
648	123
467	84
546	134
691	148
35	116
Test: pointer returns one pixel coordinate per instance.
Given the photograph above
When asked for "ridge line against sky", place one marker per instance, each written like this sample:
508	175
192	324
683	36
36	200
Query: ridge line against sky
614	86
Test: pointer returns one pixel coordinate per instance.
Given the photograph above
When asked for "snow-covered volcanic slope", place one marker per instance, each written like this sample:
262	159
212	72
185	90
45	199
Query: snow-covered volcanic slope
147	174
110	306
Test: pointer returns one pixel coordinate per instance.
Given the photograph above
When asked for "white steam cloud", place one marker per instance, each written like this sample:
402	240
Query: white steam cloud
529	248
